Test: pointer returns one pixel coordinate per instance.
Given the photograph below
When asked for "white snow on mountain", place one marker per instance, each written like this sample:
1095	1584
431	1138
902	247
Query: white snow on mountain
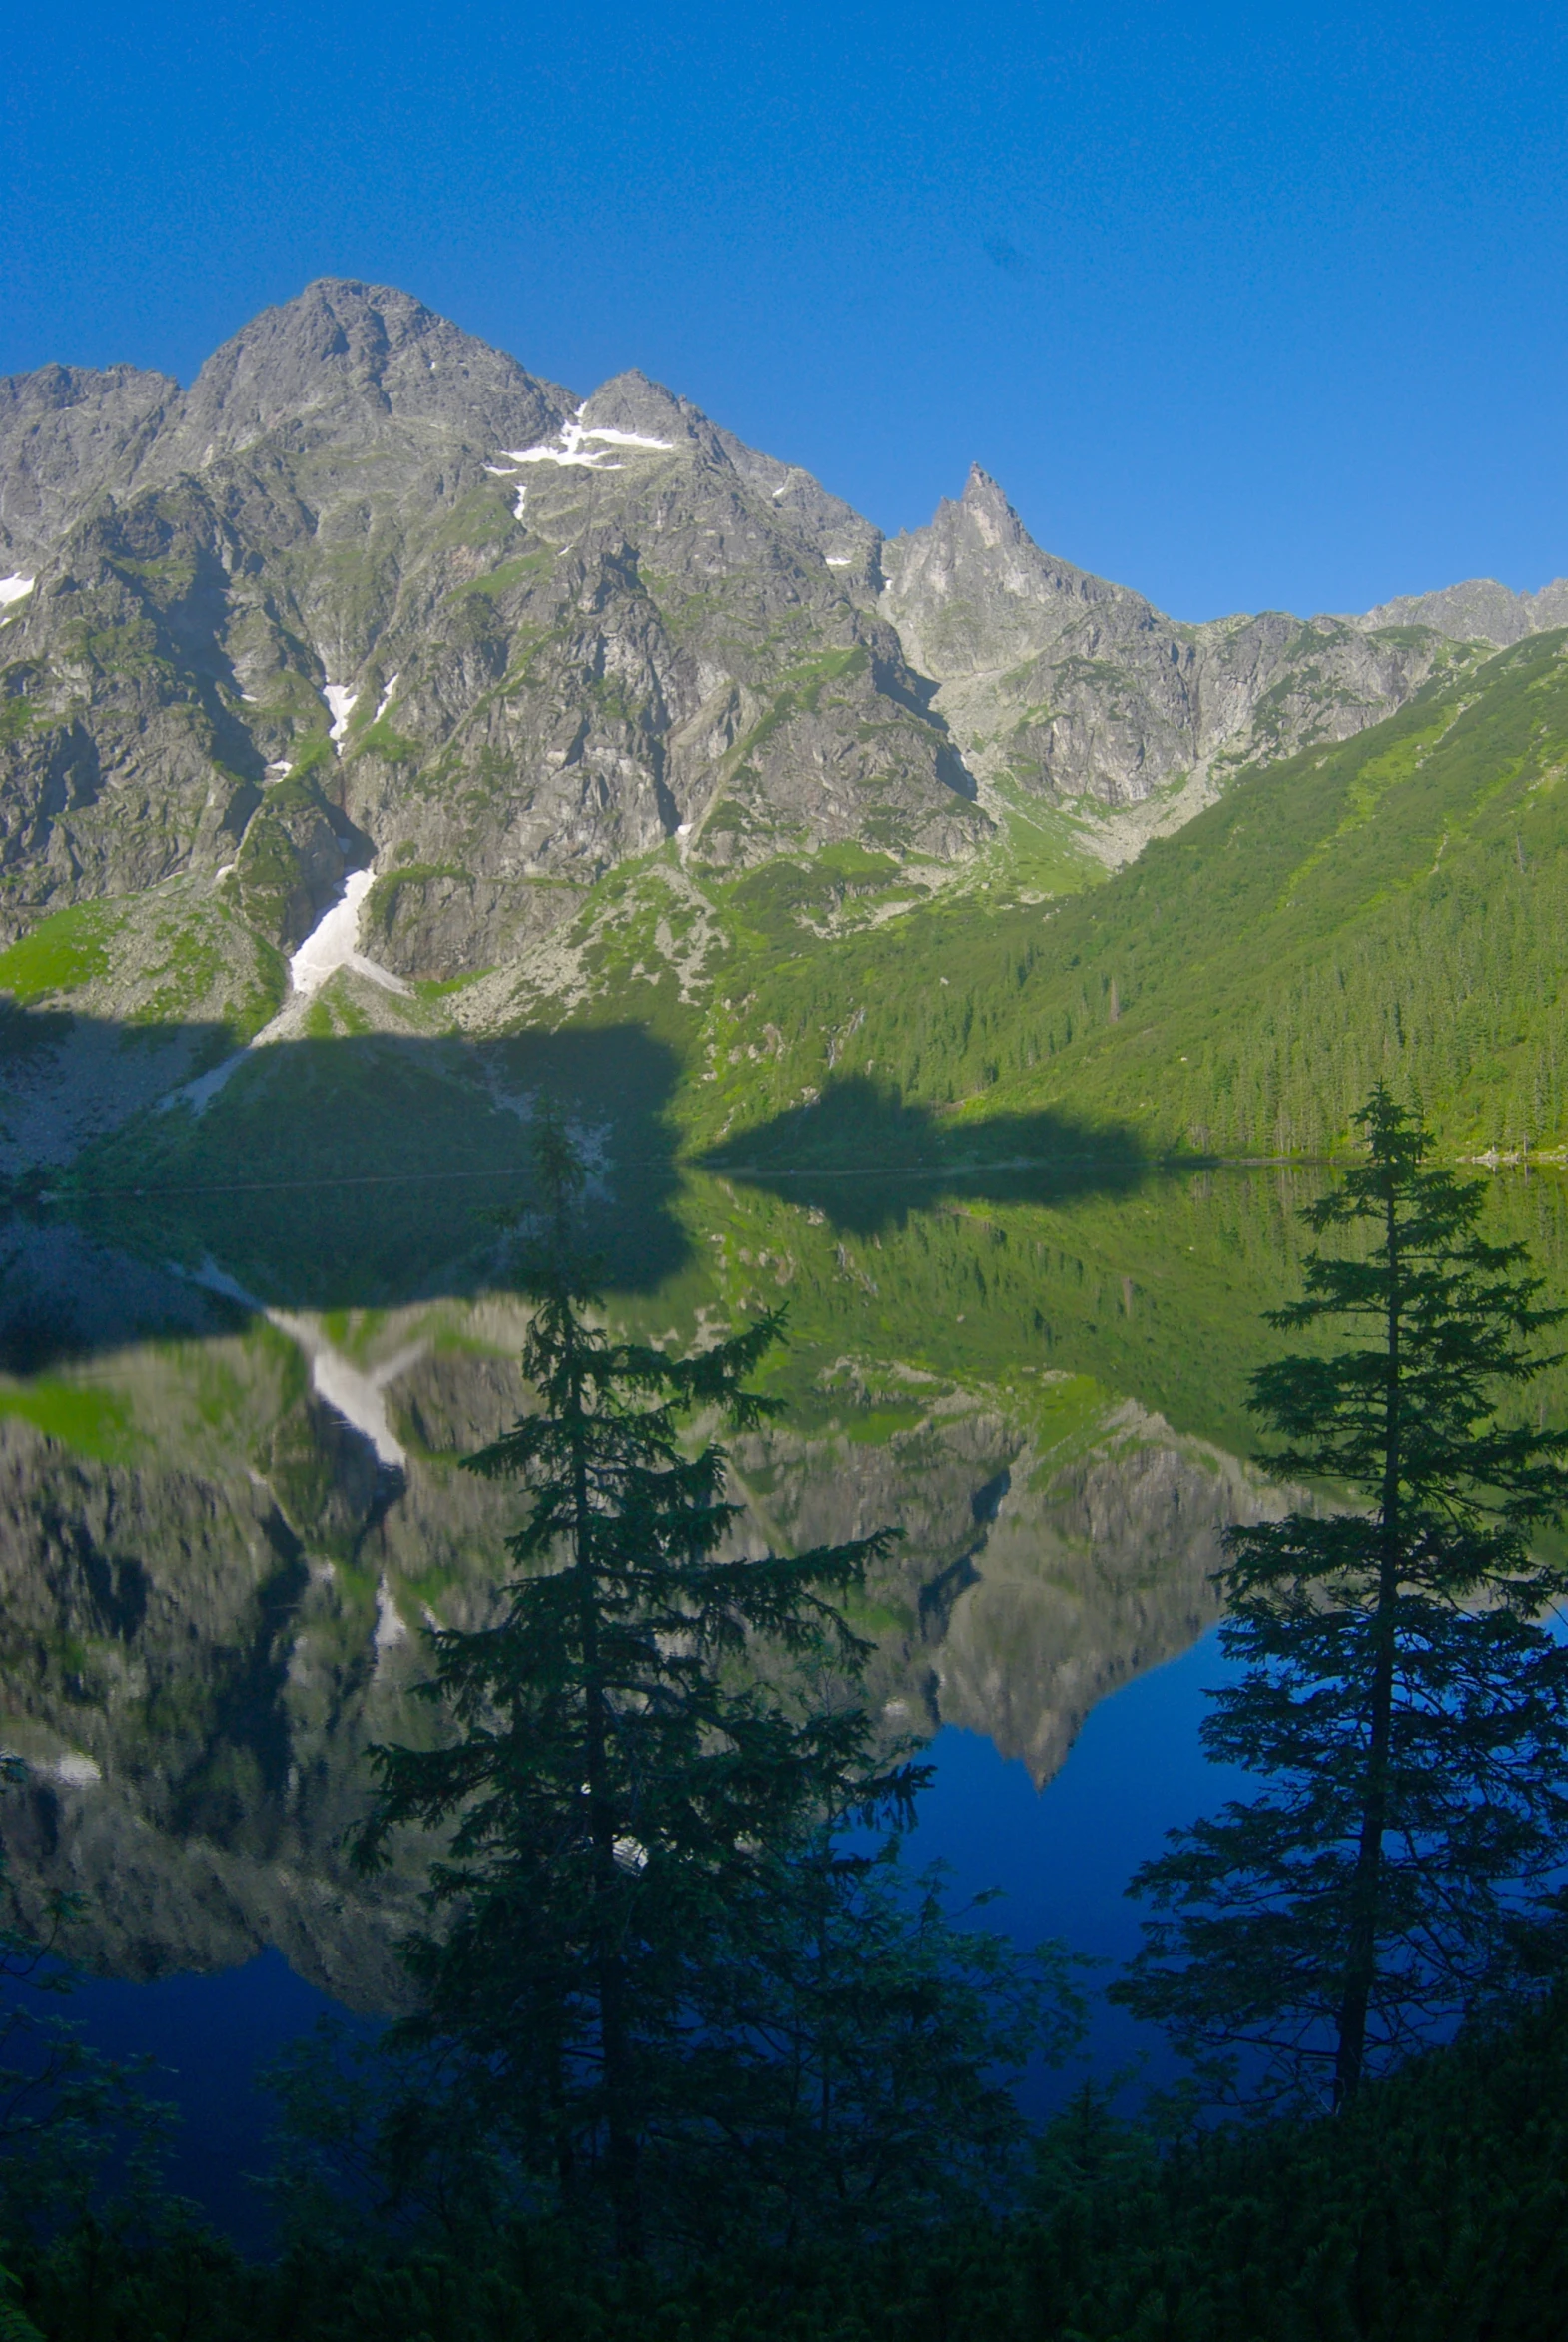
333	942
572	451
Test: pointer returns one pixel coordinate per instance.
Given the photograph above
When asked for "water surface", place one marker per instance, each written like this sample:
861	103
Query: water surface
231	1501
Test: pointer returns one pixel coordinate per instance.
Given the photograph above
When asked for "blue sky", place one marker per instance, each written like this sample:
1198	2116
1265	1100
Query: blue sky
1245	308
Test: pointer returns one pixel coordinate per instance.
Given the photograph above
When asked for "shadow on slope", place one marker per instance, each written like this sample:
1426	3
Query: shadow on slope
365	1170
866	1158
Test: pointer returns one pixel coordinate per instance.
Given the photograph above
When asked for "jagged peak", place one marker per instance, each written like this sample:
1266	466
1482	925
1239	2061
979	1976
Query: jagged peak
981	490
985	505
336	325
332	318
981	523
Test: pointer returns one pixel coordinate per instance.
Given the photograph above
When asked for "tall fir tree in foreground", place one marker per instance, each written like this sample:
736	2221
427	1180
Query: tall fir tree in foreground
1401	1691
644	1970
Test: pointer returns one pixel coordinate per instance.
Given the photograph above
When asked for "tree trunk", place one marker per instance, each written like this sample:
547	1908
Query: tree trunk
1366	1881
566	2146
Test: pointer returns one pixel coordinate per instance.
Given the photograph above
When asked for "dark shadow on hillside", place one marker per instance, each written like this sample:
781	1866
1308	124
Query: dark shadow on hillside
867	1160
367	1170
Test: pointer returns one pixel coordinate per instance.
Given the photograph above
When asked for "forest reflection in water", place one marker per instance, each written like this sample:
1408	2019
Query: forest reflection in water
225	1520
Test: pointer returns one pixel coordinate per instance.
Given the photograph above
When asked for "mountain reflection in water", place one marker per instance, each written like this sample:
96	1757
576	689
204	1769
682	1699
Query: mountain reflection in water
225	1520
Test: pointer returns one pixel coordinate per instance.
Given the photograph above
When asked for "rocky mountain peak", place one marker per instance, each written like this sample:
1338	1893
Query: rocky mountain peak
973	592
984	504
376	594
639	410
372	591
345	359
1054	682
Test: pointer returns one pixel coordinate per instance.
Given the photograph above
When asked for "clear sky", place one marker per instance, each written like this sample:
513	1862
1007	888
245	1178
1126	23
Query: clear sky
1245	306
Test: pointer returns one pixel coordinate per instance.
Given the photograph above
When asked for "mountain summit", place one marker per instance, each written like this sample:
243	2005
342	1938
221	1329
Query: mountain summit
370	596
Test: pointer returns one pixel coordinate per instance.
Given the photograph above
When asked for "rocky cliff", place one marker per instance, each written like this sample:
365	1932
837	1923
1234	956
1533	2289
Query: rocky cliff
369	592
1058	686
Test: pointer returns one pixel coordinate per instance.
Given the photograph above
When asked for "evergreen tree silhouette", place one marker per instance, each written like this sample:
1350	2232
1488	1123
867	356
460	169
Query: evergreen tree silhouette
623	1779
1400	1695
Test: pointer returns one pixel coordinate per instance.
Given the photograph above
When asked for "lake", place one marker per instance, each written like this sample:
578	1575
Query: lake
230	1432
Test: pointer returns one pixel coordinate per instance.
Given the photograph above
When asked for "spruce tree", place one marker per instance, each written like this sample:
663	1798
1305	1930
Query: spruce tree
862	2048
1400	1693
621	1780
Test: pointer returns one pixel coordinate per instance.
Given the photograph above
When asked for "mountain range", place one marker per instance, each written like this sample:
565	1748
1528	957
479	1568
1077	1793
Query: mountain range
505	698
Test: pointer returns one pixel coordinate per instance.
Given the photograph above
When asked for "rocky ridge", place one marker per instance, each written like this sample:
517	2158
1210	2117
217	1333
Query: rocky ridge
369	594
1059	685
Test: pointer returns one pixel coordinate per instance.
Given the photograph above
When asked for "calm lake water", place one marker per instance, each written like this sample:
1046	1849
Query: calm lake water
230	1502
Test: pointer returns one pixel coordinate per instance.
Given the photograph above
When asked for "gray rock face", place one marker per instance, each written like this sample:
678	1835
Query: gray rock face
210	1622
1085	1583
1057	684
1481	610
67	435
356	367
369	593
1029	1590
341	365
506	640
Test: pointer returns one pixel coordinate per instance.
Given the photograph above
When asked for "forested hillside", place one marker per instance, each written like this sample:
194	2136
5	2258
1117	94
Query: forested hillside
1393	905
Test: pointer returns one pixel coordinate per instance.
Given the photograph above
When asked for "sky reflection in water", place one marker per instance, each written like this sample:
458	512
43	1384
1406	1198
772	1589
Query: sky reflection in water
1062	1855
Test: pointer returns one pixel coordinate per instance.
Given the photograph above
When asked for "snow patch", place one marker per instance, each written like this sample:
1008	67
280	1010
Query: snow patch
221	873
838	561
355	1393
597	458
333	943
521	508
75	1770
631	440
359	1397
282	766
343	703
571	449
12	589
387	700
